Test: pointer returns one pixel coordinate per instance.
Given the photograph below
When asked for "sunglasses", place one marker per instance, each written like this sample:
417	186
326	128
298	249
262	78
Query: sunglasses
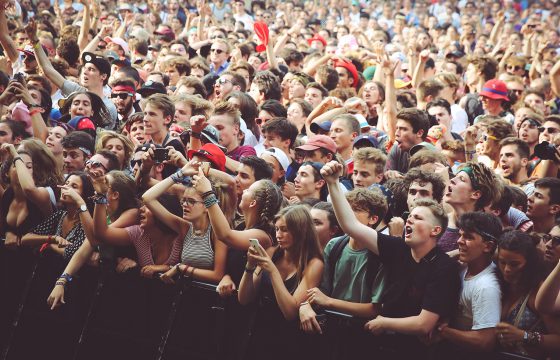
555	239
514	68
122	96
217	51
260	121
191	202
223	81
133	163
96	165
549	130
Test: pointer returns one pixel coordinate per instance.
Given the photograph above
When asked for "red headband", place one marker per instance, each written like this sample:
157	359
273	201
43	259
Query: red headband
129	89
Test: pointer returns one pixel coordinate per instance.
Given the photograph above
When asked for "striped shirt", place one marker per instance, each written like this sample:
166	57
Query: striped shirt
142	243
197	250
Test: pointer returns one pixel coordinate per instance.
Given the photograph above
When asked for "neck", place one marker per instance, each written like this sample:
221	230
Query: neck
461	209
543	225
355	245
345	153
72	211
234	144
480	85
250	220
97	90
521	176
18	193
158	137
532	148
201	223
419	251
476	266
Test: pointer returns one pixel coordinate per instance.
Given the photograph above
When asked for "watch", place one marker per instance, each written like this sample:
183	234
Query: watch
83	208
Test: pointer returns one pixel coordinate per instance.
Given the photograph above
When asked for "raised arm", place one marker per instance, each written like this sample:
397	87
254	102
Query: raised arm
418	74
548	296
86	25
38	195
40	130
555	78
220	225
42	58
347	220
101	231
5	40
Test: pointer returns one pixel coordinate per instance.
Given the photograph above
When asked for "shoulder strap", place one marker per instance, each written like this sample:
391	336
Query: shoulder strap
335	253
521	310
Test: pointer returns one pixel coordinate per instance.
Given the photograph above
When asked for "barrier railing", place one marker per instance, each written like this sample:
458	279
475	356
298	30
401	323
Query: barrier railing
124	316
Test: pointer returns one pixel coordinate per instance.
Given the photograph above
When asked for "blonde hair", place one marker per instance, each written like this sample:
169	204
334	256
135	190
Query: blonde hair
371	156
107	135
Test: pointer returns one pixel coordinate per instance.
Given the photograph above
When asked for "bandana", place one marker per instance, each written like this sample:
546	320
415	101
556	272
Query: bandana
469	171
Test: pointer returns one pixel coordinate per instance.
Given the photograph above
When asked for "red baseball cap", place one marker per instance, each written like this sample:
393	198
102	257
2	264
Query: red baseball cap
319	38
495	89
319	141
211	152
350	67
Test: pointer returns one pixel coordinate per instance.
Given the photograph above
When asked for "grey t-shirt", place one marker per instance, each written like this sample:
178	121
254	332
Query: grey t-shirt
68	87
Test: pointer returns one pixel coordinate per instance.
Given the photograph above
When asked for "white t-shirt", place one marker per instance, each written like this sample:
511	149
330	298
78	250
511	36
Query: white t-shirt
460	119
480	302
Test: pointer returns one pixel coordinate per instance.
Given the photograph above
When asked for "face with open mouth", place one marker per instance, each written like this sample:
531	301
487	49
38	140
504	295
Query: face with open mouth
419	226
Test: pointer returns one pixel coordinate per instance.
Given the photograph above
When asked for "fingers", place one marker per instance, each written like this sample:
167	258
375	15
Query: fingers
315	325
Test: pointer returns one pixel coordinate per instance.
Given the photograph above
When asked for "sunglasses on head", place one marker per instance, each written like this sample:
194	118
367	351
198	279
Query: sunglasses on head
485	137
65	126
217	51
96	165
122	96
555	239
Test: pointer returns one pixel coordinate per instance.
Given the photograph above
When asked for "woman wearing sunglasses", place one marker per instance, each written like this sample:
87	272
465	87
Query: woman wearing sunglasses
32	174
203	256
122	211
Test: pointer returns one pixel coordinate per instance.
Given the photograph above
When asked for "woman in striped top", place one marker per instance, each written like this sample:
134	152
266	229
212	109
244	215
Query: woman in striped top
203	256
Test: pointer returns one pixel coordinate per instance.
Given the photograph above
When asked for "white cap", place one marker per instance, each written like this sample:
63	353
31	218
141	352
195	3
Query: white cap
279	155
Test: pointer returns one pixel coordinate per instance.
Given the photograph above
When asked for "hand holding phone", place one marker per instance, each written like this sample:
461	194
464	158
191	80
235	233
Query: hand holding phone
161	155
256	246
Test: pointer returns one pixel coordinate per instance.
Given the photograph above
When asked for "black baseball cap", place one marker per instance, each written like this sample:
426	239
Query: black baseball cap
152	87
99	61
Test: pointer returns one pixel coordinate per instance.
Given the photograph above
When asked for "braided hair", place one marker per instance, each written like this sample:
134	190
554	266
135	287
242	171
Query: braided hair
269	199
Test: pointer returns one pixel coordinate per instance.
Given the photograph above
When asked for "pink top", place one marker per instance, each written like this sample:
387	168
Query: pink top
143	249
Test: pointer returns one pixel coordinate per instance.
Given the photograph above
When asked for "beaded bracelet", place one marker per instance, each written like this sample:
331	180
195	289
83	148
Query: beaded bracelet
206	194
210	201
99	199
179	178
66	277
60	283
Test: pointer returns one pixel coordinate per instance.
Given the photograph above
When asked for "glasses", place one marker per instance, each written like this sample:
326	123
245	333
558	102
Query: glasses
485	137
223	81
217	37
133	163
122	96
217	51
549	130
96	165
555	239
260	121
514	68
518	92
191	202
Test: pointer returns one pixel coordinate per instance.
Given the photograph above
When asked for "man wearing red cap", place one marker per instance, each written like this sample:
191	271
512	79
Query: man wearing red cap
493	96
347	74
317	42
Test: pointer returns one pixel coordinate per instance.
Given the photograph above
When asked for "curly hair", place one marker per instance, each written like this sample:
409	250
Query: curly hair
421	176
500	129
486	181
368	200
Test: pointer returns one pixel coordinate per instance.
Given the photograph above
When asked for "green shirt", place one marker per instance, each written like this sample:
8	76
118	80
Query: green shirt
349	283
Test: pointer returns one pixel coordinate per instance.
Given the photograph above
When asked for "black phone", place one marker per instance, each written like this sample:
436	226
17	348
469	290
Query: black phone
160	155
19	77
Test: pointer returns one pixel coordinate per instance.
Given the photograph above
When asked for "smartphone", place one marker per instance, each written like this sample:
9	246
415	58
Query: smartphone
255	245
19	77
160	155
205	166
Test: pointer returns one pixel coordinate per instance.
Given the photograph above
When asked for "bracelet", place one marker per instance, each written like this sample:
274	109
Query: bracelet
37	45
60	283
534	338
179	178
99	199
210	201
470	152
31	106
249	271
66	276
195	135
304	303
206	194
34	112
16	159
50	238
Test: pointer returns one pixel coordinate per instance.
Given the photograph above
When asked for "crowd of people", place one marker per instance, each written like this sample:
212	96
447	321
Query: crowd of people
396	161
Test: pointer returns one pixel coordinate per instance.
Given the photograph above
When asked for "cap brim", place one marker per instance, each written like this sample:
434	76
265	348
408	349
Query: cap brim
493	96
308	147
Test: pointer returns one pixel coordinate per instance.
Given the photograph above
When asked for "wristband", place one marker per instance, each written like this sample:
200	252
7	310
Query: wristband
66	277
210	200
60	283
249	271
304	303
206	194
195	135
99	199
179	178
34	112
16	159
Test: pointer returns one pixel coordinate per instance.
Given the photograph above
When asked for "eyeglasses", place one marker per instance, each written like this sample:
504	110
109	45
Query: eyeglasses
555	239
217	51
222	81
191	202
134	162
122	96
485	137
549	130
95	165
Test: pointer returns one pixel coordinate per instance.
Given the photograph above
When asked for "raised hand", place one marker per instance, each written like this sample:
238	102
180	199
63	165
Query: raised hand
201	183
331	172
31	30
198	123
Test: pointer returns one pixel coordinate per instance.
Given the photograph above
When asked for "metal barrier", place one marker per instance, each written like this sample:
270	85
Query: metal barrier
123	316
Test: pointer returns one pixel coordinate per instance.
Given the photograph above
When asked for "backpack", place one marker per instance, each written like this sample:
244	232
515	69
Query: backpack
373	261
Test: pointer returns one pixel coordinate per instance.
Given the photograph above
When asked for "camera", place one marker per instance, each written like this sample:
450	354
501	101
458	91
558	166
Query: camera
546	151
161	154
19	77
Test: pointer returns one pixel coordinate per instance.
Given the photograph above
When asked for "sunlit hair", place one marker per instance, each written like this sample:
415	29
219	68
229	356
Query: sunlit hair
128	146
306	242
125	186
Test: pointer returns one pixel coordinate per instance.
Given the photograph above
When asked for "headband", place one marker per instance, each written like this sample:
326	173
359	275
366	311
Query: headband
129	89
469	171
86	151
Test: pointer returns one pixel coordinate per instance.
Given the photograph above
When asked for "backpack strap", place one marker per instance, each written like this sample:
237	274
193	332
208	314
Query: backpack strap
335	253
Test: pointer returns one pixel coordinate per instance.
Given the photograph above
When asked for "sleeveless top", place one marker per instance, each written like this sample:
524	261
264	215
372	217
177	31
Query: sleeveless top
34	216
142	243
197	249
524	318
